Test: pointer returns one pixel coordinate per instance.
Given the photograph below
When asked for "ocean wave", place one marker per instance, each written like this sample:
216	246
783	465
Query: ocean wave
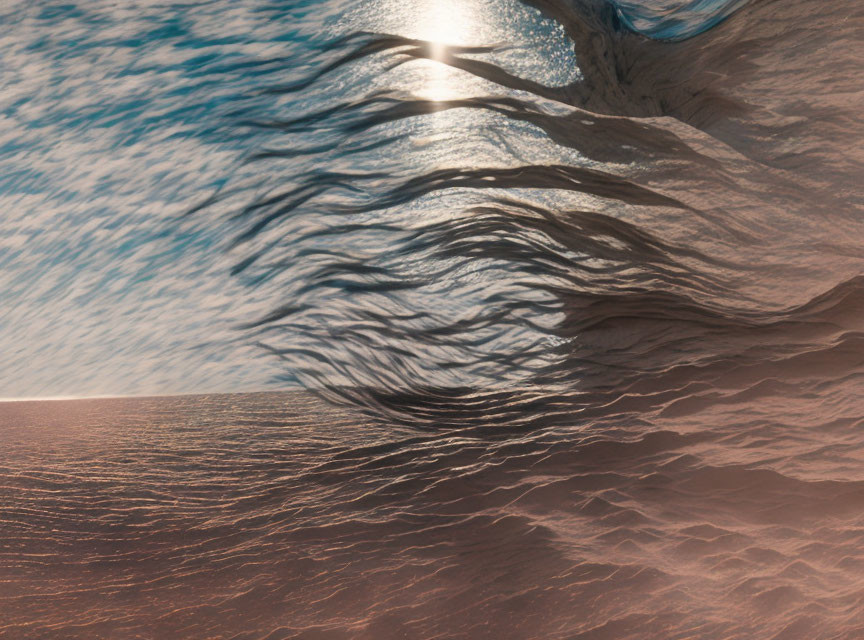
687	206
674	19
593	329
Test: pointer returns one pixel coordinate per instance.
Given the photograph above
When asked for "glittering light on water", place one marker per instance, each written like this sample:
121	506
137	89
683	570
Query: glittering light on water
448	22
445	23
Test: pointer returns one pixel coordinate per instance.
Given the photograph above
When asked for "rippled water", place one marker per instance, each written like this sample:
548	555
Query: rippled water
584	281
276	516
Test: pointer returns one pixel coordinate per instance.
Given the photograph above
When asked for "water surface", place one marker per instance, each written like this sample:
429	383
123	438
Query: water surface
580	282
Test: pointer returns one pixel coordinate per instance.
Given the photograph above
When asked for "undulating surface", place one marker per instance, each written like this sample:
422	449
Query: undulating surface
581	280
274	516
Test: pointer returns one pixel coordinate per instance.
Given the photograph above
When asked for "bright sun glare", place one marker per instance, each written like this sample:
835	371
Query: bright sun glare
445	22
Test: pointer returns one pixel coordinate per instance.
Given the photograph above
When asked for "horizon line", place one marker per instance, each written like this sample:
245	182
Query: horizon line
142	395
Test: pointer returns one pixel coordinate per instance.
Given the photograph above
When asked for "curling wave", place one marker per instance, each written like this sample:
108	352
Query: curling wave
682	190
604	313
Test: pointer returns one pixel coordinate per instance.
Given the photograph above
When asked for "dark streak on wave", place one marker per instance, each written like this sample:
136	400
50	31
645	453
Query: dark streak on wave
618	395
667	279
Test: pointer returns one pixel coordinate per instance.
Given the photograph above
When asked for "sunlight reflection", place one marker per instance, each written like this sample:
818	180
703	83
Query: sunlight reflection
445	22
